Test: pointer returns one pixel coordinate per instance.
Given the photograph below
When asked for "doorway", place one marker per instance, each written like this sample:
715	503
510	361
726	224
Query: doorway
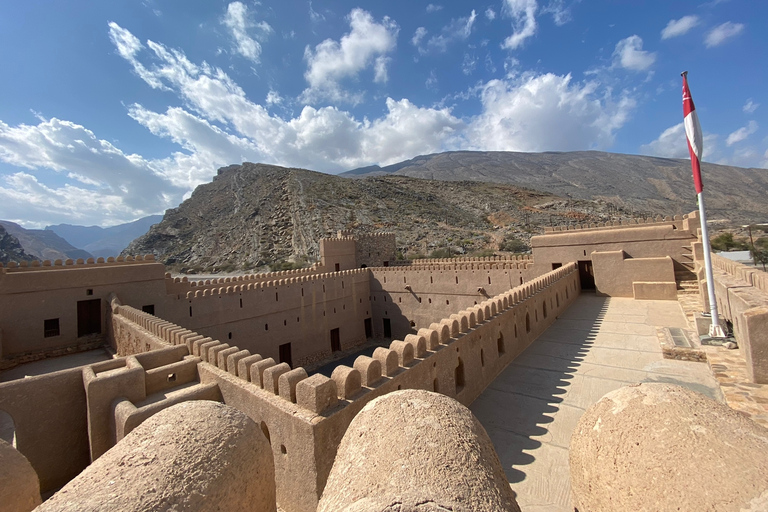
88	317
335	340
387	328
586	275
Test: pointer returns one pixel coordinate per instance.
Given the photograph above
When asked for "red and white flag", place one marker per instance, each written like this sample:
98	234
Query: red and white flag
693	133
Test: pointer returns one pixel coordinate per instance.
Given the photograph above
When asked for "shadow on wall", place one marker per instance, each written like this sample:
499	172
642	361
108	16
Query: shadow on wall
517	406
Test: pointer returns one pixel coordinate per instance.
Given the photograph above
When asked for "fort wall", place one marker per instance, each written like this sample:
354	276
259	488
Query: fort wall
46	307
263	316
616	275
426	293
742	298
49	416
671	237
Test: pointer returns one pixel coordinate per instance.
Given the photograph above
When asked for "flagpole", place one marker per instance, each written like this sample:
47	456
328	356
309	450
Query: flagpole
715	329
695	147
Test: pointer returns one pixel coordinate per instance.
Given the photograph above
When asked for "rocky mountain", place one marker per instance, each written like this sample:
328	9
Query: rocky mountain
253	215
10	248
634	182
44	244
104	241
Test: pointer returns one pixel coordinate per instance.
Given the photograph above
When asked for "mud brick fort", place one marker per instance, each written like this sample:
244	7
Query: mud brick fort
303	440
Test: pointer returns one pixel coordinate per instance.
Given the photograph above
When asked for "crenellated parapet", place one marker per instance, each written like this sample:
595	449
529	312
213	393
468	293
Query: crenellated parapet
680	222
78	263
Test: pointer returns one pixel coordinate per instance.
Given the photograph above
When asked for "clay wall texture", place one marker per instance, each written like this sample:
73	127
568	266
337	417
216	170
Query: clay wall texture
49	415
435	291
31	295
616	274
671	237
742	298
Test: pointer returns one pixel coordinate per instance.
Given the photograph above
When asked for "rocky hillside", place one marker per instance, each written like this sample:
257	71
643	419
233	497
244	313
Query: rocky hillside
44	244
635	182
10	248
253	215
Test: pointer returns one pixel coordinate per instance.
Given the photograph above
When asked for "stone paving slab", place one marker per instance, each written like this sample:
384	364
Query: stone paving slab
599	344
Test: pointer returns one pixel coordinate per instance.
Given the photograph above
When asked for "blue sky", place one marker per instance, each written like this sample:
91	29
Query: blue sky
112	111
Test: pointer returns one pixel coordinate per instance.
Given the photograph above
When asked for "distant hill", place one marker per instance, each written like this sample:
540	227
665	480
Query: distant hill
44	244
11	249
634	182
104	241
253	215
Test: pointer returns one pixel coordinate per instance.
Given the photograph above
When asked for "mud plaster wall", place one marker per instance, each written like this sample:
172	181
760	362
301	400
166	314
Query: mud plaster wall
671	239
478	350
30	296
437	291
49	415
261	317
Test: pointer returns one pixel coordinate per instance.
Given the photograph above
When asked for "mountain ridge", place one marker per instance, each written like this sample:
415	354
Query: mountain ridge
636	181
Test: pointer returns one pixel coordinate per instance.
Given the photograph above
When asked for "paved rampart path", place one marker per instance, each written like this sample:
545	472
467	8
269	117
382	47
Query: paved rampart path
599	344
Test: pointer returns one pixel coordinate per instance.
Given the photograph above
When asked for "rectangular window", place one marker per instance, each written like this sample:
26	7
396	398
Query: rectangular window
149	308
51	328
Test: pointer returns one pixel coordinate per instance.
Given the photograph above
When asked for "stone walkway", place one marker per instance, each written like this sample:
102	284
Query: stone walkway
599	344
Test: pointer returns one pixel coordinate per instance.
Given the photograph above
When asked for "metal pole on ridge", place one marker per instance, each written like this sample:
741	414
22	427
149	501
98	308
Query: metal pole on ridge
695	149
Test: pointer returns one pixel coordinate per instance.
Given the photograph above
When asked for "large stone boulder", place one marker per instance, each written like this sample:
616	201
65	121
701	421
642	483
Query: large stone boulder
661	447
19	486
198	456
416	450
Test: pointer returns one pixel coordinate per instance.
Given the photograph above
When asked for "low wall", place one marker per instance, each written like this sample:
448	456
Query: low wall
742	298
49	416
616	275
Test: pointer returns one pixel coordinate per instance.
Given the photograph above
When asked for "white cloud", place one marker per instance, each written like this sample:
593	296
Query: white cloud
469	64
523	14
560	13
490	14
721	33
418	36
679	27
380	74
547	113
238	20
629	54
434	8
128	46
331	61
100	182
741	134
457	30
670	144
314	16
750	106
218	125
273	98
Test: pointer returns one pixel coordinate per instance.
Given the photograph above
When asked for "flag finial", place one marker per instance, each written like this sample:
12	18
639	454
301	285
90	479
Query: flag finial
684	73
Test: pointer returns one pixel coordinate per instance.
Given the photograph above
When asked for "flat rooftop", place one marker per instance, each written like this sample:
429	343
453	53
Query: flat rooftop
597	345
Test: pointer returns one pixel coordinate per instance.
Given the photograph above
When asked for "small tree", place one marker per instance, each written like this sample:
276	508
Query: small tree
760	256
513	244
725	242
